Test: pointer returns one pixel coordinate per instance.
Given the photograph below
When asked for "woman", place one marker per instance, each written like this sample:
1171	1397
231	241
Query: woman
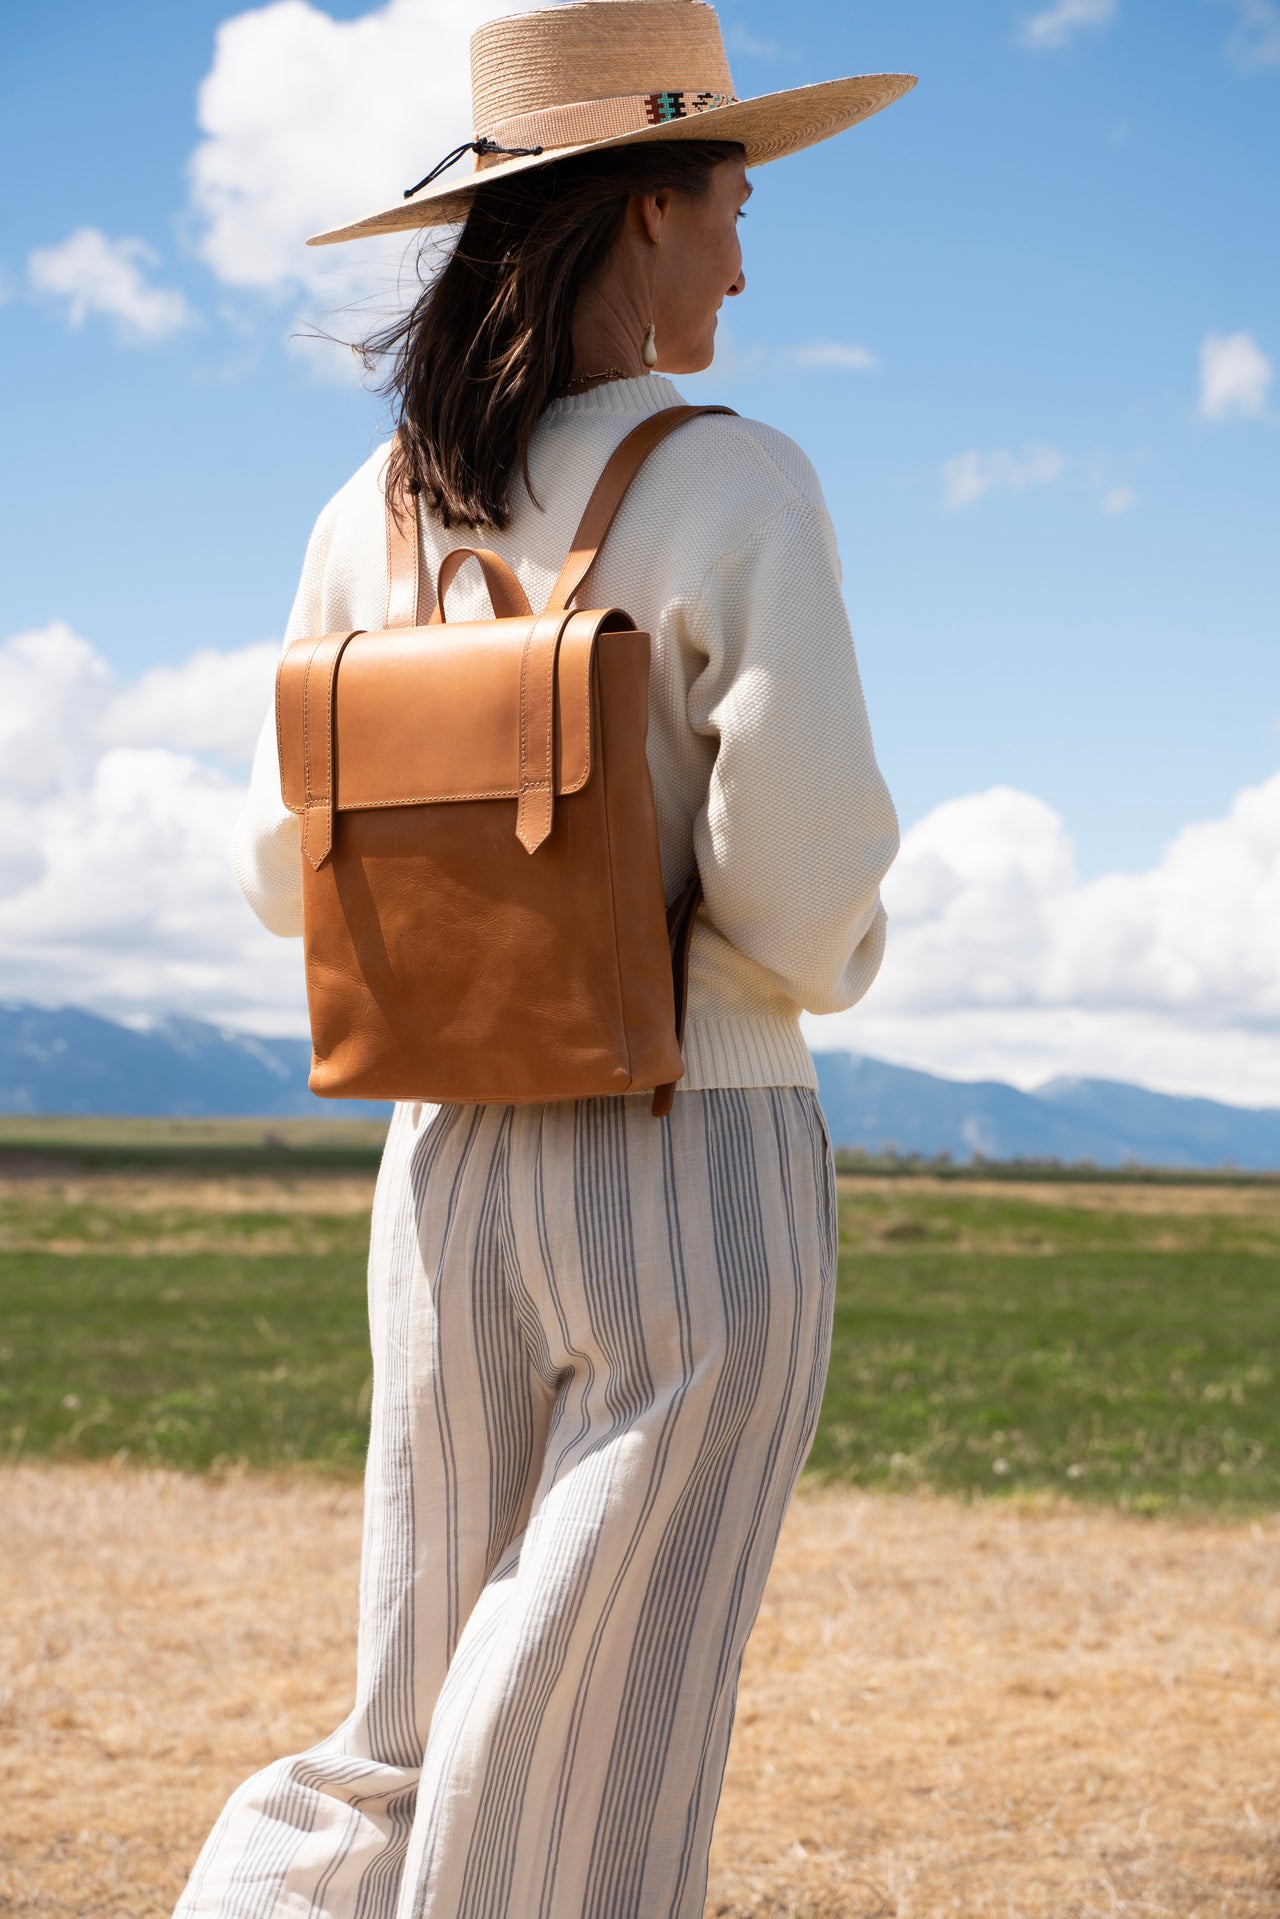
599	1338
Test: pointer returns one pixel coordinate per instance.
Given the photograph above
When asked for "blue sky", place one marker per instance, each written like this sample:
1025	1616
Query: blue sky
1055	476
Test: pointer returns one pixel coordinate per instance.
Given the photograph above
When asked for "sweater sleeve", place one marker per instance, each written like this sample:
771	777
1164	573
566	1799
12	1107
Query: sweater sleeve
798	828
264	848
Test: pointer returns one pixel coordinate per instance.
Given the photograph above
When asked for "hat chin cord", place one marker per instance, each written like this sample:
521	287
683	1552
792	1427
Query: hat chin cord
483	148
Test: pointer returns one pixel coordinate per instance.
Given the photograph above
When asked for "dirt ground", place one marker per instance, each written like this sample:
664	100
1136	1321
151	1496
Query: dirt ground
986	1710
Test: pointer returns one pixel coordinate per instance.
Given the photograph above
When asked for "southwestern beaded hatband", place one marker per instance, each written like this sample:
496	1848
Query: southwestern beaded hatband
585	121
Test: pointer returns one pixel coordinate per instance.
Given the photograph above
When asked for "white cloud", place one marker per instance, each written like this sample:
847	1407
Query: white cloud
52	683
1254	41
969	477
1235	375
1003	962
1058	25
96	275
835	353
303	130
211	704
116	806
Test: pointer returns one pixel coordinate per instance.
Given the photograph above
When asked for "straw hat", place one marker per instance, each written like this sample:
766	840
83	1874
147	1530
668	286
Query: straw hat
615	73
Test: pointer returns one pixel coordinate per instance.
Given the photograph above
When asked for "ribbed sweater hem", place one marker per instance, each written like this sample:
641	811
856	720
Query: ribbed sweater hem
756	1050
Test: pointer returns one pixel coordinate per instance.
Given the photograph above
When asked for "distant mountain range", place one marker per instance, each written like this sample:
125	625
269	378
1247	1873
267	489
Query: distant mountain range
73	1062
70	1061
1107	1122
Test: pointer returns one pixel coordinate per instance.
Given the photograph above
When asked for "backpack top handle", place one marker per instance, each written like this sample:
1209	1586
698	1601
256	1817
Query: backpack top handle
505	591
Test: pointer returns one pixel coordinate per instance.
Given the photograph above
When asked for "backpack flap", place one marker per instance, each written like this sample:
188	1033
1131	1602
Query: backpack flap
496	710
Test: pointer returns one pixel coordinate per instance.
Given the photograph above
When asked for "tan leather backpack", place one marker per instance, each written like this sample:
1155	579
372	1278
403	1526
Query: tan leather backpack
482	894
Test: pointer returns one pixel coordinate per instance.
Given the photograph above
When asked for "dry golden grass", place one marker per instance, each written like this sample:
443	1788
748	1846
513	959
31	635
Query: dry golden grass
989	1710
115	1198
1258	1199
1002	1710
338	1195
195	1209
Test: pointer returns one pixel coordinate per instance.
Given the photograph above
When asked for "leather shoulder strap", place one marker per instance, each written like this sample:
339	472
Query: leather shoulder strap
610	489
404	587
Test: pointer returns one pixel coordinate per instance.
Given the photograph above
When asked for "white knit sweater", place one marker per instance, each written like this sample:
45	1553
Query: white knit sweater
761	756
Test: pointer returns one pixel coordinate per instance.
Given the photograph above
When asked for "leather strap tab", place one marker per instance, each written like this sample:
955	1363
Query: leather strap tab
681	917
621	469
319	681
536	805
404	587
505	591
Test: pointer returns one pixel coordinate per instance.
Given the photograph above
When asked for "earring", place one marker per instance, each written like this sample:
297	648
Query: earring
649	348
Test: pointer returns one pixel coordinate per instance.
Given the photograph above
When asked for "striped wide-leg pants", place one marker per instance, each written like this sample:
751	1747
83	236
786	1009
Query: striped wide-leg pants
599	1342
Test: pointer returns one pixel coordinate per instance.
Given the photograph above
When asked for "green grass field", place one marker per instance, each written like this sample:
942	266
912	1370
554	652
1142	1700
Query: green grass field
990	1339
196	1304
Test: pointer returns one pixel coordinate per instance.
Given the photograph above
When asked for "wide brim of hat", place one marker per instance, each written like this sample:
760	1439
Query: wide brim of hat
769	127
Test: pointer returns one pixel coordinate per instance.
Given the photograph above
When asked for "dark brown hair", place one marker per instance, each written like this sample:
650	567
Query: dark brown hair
487	342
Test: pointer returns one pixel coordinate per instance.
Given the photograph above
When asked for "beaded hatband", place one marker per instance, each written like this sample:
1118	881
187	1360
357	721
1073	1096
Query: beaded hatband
585	121
678	105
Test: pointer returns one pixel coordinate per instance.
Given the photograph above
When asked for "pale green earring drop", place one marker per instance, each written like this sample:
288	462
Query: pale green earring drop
649	348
